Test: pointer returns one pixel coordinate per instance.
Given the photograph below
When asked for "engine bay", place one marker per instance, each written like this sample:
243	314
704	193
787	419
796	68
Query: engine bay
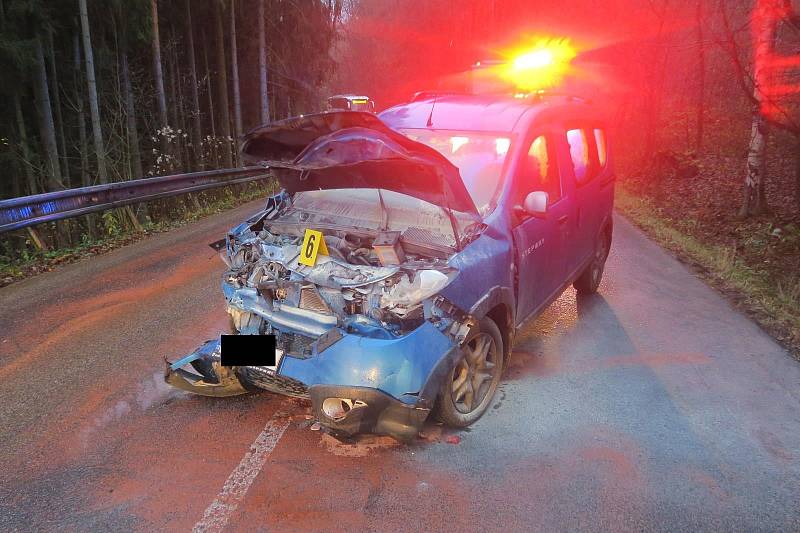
377	282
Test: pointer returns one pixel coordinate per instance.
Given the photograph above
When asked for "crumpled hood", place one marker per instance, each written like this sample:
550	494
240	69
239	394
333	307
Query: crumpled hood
347	150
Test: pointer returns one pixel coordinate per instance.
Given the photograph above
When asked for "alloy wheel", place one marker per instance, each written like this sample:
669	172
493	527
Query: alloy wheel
474	374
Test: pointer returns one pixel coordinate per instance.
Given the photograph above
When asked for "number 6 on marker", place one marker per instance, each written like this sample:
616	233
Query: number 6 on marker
313	244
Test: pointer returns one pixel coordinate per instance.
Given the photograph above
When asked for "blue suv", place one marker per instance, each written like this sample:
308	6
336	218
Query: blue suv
447	222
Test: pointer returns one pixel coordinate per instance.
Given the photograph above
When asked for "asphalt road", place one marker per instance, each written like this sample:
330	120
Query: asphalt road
651	406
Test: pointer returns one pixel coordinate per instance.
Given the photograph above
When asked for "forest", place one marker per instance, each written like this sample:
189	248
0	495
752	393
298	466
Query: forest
103	91
702	96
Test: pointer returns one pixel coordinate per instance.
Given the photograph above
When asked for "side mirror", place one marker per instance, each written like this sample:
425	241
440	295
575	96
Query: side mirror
536	204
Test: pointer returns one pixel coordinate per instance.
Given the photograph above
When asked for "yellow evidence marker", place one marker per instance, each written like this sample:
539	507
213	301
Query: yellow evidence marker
313	244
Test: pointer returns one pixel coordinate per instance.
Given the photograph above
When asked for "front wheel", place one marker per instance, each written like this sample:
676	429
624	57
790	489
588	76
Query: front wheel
589	280
469	388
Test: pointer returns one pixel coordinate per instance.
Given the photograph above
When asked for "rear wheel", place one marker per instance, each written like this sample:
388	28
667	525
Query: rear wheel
589	280
469	388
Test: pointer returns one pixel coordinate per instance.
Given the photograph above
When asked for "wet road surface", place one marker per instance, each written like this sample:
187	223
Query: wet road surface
651	406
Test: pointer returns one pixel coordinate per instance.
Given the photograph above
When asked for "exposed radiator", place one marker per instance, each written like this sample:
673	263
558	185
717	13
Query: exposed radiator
312	301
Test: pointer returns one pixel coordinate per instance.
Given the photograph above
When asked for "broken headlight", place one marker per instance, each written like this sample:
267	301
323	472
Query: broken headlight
408	291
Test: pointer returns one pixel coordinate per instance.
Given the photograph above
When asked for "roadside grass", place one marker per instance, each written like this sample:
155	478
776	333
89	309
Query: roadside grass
28	262
772	301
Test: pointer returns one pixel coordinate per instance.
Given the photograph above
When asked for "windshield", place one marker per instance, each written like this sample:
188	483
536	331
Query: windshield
478	156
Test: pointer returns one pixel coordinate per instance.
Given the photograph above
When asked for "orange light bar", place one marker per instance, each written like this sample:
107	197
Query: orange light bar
541	66
537	59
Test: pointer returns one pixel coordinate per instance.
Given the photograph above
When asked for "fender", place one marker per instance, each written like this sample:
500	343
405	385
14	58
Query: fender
495	296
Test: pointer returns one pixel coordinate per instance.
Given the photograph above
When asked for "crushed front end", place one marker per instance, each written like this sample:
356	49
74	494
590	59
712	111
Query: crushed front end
362	331
369	343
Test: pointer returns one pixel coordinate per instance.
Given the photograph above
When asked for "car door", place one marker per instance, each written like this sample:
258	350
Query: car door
540	242
582	172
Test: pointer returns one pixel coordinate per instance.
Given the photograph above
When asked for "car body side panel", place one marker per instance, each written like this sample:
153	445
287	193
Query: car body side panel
573	251
483	264
495	296
606	181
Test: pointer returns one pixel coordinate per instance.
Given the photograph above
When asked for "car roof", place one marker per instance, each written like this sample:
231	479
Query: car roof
489	113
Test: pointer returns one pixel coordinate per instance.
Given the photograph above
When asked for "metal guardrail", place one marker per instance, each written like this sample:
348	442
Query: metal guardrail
24	211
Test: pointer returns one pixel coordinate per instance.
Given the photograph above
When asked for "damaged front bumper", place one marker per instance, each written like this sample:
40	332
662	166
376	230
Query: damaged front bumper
356	383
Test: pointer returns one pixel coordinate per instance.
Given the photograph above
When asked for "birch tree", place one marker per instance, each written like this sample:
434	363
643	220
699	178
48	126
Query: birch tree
766	17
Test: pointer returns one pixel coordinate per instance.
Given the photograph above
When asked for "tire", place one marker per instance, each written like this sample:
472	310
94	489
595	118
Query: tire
589	280
455	406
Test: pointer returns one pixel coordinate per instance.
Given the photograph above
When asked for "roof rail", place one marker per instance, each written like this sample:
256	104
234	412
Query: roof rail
424	95
541	94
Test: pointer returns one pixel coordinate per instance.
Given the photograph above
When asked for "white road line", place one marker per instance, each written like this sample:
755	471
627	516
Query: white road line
233	491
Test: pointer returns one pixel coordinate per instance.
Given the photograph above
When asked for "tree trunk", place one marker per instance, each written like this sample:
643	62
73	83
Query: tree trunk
765	26
130	114
94	108
172	85
237	105
701	78
756	168
46	124
23	142
85	181
159	73
180	114
197	130
222	86
53	74
172	68
213	145
262	63
91	219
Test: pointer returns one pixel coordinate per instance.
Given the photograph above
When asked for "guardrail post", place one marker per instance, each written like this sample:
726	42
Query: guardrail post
37	240
132	216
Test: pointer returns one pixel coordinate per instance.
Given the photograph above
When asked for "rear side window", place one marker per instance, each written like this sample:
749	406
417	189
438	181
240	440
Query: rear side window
579	152
602	149
540	172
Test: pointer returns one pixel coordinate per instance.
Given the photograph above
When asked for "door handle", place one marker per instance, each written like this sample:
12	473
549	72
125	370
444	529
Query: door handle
562	219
